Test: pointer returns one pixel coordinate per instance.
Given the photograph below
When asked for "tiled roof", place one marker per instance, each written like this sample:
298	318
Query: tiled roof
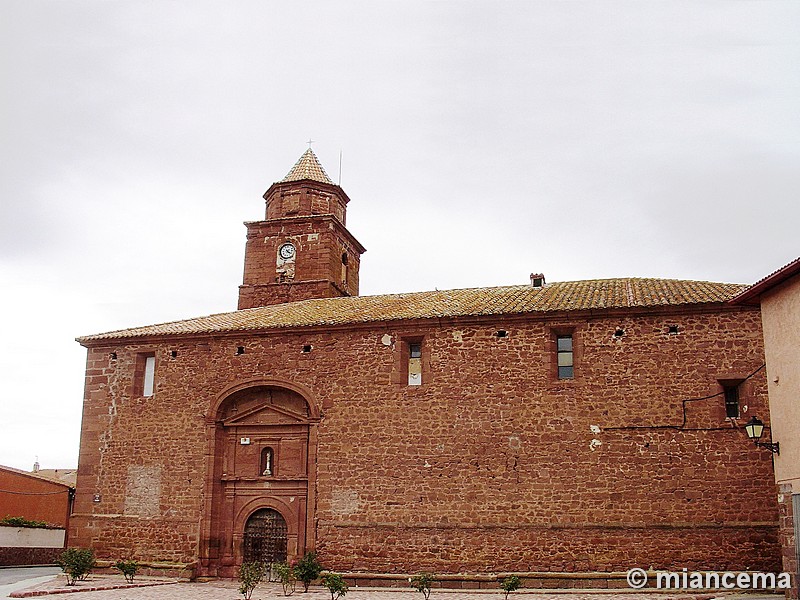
562	296
37	475
752	295
308	167
66	476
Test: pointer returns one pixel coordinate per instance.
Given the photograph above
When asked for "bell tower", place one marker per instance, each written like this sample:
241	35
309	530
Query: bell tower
302	249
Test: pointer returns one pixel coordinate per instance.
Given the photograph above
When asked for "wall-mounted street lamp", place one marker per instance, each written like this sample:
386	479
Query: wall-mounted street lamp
754	428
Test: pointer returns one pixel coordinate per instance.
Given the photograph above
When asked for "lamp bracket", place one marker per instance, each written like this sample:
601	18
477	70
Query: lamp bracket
774	447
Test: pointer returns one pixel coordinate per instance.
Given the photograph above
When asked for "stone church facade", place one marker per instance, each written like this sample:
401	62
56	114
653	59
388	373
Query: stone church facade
566	427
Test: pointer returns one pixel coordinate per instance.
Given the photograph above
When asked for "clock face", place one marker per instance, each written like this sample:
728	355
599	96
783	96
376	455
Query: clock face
286	251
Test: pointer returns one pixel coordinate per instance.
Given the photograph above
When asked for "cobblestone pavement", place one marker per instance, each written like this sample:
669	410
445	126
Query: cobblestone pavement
227	590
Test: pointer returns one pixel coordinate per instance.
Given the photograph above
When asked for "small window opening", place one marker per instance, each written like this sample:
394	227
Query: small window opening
173	353
415	363
565	357
113	356
239	350
307	348
344	268
731	401
267	456
148	383
502	333
619	333
672	330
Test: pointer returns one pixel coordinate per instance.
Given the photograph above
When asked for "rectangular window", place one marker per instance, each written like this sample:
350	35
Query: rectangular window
731	401
565	357
149	375
414	363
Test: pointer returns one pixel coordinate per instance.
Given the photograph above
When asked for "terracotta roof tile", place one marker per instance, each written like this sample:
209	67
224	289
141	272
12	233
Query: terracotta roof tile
308	167
560	296
752	295
38	475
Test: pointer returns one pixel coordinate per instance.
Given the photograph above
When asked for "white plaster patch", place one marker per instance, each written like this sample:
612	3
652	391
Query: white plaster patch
345	502
594	428
386	340
595	444
313	236
458	336
143	491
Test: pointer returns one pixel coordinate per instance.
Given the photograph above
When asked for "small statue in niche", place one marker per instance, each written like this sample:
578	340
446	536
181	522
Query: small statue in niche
266	461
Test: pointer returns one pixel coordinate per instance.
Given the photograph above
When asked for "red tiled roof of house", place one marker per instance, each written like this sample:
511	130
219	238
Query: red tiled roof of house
752	294
37	475
594	294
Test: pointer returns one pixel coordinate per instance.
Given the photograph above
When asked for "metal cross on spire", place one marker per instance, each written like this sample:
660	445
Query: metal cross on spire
309	142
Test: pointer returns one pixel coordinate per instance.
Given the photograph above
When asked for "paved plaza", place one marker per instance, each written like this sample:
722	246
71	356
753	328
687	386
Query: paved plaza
97	588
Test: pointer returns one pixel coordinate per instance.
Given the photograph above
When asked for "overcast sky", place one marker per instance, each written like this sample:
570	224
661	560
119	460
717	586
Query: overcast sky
481	141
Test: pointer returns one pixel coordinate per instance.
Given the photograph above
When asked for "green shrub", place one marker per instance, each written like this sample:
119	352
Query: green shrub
76	563
287	576
422	583
335	584
250	575
308	569
22	522
510	584
128	568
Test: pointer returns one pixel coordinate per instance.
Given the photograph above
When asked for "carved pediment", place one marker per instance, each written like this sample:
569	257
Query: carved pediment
266	414
264	406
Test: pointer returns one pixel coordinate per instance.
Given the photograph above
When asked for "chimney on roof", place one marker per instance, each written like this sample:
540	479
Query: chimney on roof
36	465
537	280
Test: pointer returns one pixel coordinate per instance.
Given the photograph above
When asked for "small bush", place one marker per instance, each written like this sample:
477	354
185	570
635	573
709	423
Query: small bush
510	584
23	522
76	563
128	568
308	569
250	575
287	576
422	583
335	584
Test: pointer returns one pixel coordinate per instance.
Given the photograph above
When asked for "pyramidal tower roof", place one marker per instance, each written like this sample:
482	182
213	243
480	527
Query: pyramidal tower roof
308	167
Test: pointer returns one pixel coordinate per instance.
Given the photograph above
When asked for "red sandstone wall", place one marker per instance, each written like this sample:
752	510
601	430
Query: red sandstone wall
29	556
491	465
787	537
33	498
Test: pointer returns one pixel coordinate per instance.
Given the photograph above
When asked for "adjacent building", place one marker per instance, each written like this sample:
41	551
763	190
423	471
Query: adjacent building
32	497
778	295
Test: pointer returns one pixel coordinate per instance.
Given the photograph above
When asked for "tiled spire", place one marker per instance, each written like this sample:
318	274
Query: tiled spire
308	167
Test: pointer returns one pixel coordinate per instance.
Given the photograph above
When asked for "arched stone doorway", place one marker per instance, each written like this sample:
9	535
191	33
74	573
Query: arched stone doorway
265	537
262	457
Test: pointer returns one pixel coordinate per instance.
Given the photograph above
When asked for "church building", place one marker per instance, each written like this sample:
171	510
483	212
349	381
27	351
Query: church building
546	429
